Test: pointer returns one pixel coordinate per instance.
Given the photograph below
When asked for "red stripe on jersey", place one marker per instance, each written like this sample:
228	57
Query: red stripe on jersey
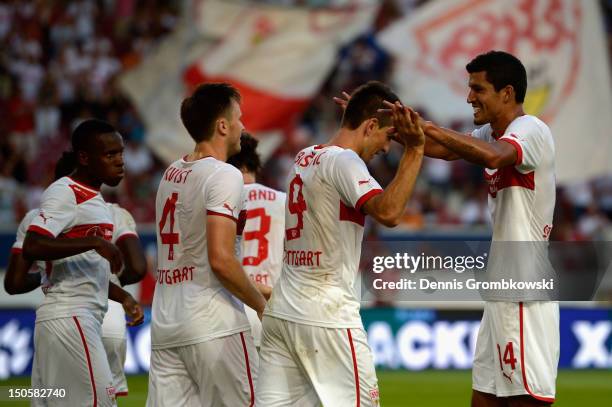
519	150
523	366
103	230
16	250
351	214
82	194
213	213
40	230
89	366
350	338
248	368
509	177
364	198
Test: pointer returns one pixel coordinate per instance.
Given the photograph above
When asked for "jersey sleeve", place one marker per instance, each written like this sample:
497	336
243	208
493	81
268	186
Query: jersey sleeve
58	209
22	229
527	139
223	193
352	180
124	224
482	133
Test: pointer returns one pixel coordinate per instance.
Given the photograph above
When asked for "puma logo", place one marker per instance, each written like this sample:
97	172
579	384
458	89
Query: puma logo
44	218
229	208
508	377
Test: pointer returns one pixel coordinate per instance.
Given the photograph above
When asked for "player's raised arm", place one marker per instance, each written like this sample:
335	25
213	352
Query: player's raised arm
497	154
221	234
388	207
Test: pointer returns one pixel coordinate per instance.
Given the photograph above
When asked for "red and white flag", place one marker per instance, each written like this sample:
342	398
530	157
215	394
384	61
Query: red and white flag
562	44
278	57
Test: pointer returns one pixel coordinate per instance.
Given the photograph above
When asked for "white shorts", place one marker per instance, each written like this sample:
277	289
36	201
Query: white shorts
304	365
115	352
255	325
218	372
517	351
68	354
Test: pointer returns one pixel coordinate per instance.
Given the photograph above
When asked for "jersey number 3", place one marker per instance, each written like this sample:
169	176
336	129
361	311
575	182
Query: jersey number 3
169	238
259	235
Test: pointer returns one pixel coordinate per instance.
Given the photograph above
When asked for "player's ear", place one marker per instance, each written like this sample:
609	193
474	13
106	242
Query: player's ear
223	125
508	94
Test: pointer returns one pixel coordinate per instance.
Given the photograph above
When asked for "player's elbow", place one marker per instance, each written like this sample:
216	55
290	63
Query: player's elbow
389	219
10	286
219	264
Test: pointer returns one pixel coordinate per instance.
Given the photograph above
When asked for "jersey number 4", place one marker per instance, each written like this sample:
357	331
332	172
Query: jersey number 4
296	206
508	358
171	237
259	235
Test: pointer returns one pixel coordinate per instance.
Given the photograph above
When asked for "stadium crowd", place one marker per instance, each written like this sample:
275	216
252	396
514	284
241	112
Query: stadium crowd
59	63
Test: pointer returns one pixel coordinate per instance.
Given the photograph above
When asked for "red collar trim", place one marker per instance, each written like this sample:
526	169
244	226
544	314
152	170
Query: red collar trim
92	189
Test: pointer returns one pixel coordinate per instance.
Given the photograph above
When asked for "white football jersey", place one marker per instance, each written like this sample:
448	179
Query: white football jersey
75	285
190	305
113	325
263	233
323	233
522	196
521	202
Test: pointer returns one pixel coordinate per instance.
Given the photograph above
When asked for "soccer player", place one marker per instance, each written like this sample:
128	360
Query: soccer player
19	280
200	352
314	349
264	225
73	230
517	350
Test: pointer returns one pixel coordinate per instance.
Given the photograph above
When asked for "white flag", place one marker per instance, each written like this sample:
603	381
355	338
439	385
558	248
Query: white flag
278	57
562	44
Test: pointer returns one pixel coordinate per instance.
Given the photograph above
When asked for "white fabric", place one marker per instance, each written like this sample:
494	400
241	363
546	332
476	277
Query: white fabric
262	241
190	305
69	352
77	285
115	353
324	229
218	372
518	349
305	365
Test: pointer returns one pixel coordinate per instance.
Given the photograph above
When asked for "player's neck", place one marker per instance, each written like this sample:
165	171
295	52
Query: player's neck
82	177
346	139
500	125
248	177
207	149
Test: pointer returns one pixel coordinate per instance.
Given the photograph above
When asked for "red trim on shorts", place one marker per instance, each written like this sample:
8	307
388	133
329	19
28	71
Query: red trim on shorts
40	230
350	338
221	214
364	198
91	375
248	366
523	366
121	394
519	150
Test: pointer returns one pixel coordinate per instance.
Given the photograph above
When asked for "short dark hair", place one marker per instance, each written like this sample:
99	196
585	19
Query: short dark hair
364	104
247	157
502	69
200	111
84	134
65	165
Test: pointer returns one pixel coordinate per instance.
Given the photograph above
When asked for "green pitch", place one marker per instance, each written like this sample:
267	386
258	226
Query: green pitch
418	389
